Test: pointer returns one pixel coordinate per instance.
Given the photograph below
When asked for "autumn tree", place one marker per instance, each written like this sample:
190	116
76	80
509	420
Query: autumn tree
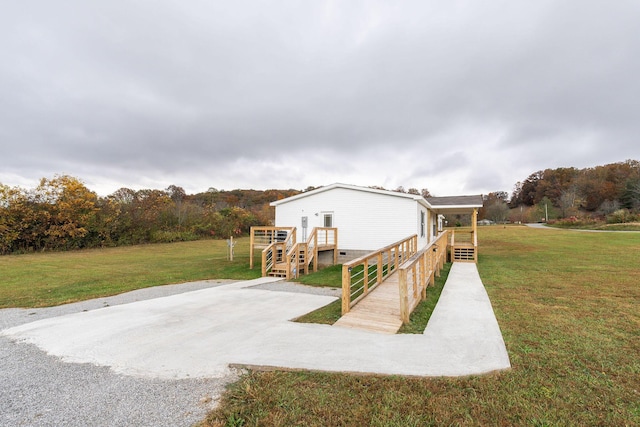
233	221
630	197
568	202
525	192
11	200
71	207
495	207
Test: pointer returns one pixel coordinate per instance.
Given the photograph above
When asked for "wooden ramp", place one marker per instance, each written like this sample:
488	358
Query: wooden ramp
377	312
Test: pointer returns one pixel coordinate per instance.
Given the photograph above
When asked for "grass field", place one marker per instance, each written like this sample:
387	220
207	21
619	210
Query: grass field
46	279
566	301
568	306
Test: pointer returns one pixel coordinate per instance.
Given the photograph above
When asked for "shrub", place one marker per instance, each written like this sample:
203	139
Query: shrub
172	236
621	216
575	222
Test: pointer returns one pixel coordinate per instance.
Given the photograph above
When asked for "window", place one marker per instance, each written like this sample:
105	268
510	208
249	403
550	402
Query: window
422	224
328	220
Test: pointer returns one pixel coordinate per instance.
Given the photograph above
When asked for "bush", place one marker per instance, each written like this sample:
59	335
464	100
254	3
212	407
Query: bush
172	236
621	216
576	222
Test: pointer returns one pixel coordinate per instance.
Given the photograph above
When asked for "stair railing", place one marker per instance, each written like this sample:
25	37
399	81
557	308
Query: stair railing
277	252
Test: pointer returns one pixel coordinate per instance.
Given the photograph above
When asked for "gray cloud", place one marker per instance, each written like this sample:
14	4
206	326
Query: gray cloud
454	97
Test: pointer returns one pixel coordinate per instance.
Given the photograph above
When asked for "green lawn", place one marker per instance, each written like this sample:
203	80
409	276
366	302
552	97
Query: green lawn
46	279
567	304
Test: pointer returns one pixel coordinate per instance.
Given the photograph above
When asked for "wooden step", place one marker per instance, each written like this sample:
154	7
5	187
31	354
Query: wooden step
464	253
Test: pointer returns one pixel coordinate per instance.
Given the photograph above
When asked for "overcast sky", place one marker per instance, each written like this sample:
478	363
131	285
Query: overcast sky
460	97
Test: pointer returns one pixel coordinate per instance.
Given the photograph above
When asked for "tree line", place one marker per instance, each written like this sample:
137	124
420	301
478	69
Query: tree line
610	192
61	213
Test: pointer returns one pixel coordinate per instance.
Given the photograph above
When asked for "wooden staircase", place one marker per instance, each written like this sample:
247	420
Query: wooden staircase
289	260
295	268
463	253
464	250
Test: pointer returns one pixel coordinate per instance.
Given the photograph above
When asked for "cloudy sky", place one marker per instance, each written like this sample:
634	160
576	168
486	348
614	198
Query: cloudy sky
460	97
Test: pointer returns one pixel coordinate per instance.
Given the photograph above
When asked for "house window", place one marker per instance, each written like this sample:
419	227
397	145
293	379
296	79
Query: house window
422	224
328	220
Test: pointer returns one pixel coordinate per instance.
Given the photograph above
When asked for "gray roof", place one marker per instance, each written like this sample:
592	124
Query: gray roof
471	201
456	204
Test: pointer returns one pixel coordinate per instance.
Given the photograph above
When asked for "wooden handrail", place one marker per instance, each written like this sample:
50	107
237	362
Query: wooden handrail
264	237
288	252
277	252
360	276
321	236
419	272
310	249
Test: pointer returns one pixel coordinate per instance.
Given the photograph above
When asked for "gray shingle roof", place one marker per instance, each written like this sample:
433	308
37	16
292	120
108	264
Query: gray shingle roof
443	202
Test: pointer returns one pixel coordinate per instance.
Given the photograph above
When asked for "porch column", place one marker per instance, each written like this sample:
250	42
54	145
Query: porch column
474	225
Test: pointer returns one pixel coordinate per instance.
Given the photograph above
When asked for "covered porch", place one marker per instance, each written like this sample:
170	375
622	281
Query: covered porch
463	243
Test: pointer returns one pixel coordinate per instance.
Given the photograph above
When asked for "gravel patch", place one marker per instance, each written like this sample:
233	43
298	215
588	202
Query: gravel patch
37	389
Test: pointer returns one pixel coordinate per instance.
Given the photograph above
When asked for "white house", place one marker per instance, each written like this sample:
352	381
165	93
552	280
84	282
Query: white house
367	219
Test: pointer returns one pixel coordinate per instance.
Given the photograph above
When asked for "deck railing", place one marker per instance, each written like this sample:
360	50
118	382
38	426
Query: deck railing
319	239
263	237
362	275
326	236
418	272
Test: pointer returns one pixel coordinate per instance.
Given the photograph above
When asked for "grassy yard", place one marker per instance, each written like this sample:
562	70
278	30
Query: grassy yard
567	303
46	279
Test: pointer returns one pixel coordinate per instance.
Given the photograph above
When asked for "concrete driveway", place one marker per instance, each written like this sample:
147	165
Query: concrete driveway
200	334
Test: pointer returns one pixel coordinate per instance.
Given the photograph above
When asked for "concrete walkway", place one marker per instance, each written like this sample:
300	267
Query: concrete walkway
200	334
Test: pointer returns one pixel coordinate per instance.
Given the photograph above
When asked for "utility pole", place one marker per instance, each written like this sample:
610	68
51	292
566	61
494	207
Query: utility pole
546	213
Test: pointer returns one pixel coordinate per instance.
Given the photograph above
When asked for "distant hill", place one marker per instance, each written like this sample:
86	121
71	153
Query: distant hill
601	188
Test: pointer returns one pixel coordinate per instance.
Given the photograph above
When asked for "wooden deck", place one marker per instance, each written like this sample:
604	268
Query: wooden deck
377	312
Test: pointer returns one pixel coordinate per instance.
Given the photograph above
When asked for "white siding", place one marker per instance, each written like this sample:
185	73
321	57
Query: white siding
365	220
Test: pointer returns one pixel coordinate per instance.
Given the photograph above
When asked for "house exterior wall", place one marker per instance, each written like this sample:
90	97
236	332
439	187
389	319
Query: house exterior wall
365	220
